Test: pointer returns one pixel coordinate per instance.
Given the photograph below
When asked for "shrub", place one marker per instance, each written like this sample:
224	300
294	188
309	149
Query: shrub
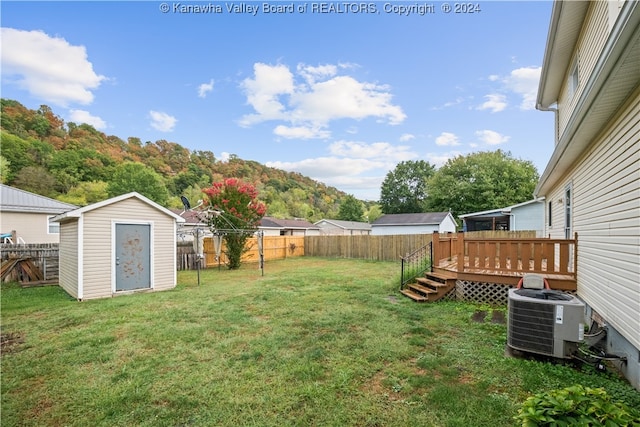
576	406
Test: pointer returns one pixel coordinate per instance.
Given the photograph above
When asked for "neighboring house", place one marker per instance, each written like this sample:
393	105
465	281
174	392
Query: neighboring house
343	228
193	223
24	216
591	80
123	244
414	223
287	227
526	216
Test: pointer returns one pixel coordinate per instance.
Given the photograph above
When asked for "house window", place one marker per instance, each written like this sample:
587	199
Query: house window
573	79
568	212
549	222
53	227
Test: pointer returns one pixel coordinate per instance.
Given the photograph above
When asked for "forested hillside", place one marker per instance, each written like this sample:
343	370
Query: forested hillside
78	164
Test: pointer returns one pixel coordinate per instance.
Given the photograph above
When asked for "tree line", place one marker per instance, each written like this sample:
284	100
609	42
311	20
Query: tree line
78	164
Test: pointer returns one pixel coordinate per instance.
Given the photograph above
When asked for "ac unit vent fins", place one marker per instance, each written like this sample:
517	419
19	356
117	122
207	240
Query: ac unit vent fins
531	326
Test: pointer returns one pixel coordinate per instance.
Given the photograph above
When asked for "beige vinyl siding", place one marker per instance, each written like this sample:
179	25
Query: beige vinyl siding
98	234
606	216
589	47
31	227
68	255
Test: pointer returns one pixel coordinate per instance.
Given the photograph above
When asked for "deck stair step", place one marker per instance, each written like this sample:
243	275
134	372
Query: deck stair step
431	287
413	295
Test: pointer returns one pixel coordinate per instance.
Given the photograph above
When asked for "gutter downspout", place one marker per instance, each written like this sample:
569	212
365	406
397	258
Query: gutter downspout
556	127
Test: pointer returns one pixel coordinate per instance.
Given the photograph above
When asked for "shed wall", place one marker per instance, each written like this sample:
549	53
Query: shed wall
68	254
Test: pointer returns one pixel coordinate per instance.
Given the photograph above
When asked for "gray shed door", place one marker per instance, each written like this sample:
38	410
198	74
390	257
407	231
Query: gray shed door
133	256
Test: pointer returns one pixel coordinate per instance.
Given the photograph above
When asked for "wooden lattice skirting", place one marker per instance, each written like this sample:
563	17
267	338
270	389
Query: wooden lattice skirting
481	292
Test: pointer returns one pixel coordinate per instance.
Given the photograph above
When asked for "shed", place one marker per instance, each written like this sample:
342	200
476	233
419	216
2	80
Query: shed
117	246
343	228
526	216
414	223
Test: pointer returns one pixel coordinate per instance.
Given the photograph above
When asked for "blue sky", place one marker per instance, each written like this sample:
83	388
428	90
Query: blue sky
338	91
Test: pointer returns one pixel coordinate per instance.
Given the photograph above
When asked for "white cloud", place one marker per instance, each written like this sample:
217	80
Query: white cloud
524	81
406	137
301	132
311	74
264	90
205	88
81	116
491	137
439	159
494	102
320	96
382	151
447	139
162	121
328	167
225	156
48	67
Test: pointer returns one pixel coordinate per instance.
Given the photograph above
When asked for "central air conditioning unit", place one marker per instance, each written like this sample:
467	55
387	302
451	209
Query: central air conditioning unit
544	321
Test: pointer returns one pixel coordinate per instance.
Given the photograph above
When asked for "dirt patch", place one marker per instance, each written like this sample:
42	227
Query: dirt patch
479	316
11	342
498	317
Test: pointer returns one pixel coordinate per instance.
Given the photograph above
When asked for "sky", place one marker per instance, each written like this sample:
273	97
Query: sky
338	91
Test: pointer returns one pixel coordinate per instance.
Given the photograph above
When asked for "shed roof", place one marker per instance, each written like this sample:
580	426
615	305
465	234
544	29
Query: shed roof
16	200
428	218
77	213
501	211
347	225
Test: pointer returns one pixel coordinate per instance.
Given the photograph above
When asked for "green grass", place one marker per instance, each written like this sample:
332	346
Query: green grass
313	342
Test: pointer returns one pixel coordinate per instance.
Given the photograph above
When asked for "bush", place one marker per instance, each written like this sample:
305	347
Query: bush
576	406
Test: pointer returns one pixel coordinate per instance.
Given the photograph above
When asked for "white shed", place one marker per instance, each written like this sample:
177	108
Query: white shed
117	246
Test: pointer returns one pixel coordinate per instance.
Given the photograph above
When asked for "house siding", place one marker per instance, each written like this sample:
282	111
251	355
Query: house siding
606	201
68	254
387	230
31	227
591	42
97	237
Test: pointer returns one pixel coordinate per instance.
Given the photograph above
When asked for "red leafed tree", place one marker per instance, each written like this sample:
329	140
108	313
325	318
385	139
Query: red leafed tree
236	213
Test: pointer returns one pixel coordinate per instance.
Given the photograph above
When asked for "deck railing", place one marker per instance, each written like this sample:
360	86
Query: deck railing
415	264
507	256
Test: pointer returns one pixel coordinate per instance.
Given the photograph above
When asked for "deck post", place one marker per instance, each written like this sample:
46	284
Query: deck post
435	248
460	251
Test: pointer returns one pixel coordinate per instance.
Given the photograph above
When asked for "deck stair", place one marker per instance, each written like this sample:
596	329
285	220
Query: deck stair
432	287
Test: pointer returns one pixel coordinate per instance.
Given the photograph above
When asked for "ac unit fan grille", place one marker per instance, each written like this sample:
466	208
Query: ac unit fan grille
531	326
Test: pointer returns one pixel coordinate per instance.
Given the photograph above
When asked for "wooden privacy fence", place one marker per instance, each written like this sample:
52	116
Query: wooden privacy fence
377	248
274	247
43	256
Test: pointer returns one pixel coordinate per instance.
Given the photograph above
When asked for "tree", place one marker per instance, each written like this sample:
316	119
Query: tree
4	170
404	190
481	181
237	214
374	212
132	176
350	209
36	179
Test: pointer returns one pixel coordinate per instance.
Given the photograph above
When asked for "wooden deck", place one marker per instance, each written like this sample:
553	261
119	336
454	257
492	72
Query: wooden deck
505	261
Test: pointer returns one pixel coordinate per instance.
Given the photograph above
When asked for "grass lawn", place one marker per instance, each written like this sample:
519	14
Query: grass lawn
313	342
